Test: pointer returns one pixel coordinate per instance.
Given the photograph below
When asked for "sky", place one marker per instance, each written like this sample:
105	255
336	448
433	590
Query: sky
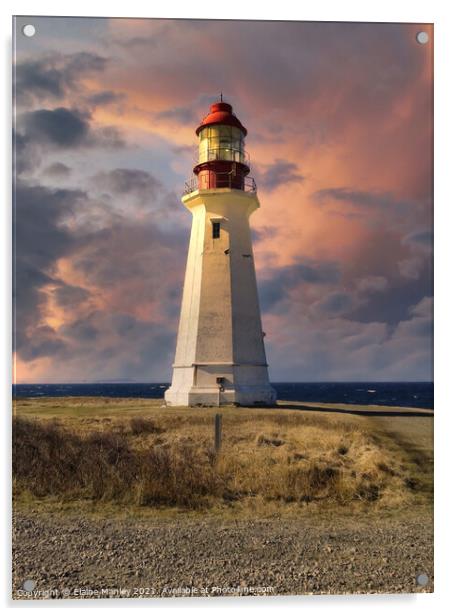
340	129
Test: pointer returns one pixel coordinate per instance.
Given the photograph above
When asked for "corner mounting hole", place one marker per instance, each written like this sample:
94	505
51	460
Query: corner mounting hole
29	585
422	579
422	37
29	30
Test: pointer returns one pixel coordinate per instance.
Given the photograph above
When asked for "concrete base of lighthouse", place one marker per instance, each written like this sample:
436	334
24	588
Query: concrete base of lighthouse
220	384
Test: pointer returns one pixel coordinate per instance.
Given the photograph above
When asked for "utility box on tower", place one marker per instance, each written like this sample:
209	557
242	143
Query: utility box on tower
220	354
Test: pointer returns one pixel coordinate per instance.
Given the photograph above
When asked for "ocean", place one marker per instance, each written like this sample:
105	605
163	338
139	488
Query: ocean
418	395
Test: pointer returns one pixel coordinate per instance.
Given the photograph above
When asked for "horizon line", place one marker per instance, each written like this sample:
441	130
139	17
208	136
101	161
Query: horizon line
125	382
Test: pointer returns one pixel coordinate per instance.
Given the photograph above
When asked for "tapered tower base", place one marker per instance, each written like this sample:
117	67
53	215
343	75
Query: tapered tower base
237	385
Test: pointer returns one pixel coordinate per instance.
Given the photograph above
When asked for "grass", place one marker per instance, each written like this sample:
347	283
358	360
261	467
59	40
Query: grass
134	453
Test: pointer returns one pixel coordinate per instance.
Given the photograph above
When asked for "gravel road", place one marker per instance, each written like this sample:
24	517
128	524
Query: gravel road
66	557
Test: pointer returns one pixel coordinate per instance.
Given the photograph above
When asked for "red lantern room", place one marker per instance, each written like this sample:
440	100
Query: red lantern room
223	161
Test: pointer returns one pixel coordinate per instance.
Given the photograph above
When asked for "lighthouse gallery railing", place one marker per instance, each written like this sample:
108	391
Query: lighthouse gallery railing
221	180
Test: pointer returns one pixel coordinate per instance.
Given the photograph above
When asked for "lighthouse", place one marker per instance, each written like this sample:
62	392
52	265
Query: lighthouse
220	355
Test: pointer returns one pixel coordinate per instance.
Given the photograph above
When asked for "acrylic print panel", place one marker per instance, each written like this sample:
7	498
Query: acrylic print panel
223	308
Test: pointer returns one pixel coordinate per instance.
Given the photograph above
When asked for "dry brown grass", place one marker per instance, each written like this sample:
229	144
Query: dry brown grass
135	452
49	460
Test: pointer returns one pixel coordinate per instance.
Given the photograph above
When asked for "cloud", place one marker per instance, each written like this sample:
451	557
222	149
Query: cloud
39	78
183	149
26	155
61	127
372	284
133	260
421	239
424	308
128	182
44	343
55	75
130	279
278	284
80	330
340	349
411	267
104	97
281	172
420	323
66	129
119	345
365	199
57	170
40	239
334	303
67	295
263	233
181	115
392	304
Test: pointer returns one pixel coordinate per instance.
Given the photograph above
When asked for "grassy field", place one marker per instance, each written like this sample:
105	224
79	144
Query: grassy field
104	453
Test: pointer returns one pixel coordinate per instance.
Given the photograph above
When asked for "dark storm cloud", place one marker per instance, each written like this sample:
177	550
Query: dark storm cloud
43	343
125	346
420	239
276	288
419	327
393	304
44	130
170	203
131	252
84	62
335	303
372	284
40	239
279	173
103	98
366	199
25	154
57	170
152	344
68	295
55	75
135	261
155	352
39	78
67	129
128	181
39	213
80	330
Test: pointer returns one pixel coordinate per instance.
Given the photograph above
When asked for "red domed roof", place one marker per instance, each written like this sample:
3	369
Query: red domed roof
221	113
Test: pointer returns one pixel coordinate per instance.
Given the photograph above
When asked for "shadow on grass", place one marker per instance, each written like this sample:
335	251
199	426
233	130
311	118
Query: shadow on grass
368	412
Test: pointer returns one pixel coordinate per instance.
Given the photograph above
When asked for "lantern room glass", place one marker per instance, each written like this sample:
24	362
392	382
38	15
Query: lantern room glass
221	142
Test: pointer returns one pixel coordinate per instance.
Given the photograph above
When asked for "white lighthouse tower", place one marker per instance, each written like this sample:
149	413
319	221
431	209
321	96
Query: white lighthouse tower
220	354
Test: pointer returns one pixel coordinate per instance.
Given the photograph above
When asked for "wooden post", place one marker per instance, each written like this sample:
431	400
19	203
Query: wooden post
218	423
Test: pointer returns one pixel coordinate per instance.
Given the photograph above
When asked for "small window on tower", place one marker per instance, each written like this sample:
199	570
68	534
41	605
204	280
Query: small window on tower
215	230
